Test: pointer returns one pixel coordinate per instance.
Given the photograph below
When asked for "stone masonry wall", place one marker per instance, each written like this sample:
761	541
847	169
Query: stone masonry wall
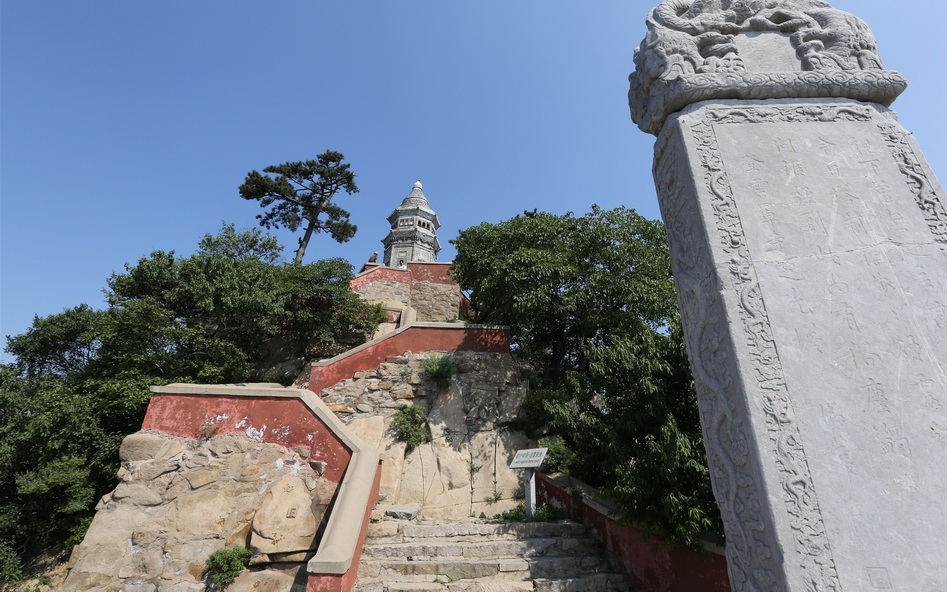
388	293
436	302
464	470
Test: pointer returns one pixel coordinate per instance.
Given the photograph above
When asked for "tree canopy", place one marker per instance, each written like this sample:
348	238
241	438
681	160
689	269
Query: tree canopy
231	312
591	306
299	194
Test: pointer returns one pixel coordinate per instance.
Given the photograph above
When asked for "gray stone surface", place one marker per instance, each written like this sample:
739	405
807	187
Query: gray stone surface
403	512
698	50
809	241
470	556
141	446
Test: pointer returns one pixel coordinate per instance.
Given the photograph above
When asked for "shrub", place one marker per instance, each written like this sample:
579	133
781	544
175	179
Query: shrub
224	565
410	424
11	568
544	513
440	369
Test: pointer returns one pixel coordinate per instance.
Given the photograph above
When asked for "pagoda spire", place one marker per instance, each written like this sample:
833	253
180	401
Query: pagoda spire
413	234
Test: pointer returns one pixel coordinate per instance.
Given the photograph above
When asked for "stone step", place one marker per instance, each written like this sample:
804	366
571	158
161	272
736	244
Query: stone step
591	583
404	556
409	587
487	586
465	569
367	583
490	586
390	531
600	582
449	547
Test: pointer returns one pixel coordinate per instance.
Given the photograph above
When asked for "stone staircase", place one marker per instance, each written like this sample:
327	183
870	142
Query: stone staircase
477	556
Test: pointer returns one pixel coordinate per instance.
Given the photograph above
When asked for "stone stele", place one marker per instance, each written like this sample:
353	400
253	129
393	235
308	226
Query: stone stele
809	244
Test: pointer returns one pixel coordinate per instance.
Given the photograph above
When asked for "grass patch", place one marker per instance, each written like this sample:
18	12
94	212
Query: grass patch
440	369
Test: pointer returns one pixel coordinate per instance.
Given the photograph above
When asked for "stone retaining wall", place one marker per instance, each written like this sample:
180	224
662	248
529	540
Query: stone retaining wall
434	302
428	288
464	470
388	293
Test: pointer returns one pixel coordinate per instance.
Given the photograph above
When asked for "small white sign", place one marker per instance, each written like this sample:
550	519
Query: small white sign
527	459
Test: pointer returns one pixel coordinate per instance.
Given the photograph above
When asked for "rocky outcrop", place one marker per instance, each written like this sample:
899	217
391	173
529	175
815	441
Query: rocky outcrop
464	470
181	499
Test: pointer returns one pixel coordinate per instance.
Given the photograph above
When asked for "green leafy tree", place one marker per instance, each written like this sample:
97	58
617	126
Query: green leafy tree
58	344
299	194
591	306
55	460
232	294
322	316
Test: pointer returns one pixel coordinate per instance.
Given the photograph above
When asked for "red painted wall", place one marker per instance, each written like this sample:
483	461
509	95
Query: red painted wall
438	273
415	339
276	420
649	559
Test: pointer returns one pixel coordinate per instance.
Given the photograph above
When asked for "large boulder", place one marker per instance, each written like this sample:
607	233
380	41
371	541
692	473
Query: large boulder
287	519
181	499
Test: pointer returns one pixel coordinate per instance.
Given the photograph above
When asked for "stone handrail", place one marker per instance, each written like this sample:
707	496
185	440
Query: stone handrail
340	543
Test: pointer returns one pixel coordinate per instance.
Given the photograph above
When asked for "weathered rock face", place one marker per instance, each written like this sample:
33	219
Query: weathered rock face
181	499
464	470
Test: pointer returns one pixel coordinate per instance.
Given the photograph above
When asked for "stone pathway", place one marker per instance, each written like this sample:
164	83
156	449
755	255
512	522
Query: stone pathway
476	556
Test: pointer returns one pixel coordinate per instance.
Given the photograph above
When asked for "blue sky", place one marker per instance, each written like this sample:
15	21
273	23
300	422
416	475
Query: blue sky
126	127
